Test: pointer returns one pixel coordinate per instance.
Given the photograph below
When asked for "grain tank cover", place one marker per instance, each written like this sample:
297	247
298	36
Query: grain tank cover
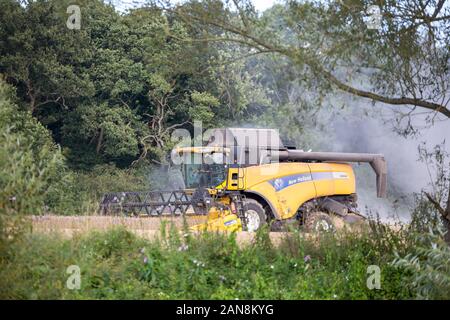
248	146
246	138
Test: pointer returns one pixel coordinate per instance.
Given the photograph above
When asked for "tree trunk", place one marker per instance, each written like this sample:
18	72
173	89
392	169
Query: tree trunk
32	103
99	141
445	213
446	217
31	96
447	235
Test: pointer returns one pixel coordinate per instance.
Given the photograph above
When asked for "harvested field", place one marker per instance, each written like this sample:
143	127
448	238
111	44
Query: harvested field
146	227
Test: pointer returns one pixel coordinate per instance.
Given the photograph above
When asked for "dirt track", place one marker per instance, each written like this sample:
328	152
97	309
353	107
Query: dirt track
149	228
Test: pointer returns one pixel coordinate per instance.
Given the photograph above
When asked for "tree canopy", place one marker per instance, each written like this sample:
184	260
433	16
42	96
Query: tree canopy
114	90
402	62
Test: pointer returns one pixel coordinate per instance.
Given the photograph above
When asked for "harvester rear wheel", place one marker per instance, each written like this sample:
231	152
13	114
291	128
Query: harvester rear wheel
254	215
318	222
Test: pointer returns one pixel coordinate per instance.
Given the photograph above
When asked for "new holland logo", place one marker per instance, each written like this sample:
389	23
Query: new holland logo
278	184
284	182
230	223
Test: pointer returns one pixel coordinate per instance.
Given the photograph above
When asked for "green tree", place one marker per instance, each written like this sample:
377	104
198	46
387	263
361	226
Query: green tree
42	57
115	89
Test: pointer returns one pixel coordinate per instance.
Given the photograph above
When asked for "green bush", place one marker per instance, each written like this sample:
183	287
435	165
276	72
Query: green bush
89	186
32	165
429	264
32	170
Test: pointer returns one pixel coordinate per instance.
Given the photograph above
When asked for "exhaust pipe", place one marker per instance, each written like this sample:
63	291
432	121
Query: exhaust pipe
376	161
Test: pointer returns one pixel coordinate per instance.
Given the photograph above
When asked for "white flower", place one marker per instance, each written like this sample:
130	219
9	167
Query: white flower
198	263
271	267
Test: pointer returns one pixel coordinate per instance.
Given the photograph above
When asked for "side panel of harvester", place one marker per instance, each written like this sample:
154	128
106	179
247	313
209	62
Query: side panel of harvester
333	179
286	186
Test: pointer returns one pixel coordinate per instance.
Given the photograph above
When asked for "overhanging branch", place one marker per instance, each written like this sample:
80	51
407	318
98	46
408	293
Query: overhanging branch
247	39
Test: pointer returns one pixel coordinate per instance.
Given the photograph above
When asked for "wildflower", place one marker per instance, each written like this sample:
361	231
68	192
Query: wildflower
12	198
198	263
186	235
183	247
145	260
335	296
271	266
295	265
222	278
142	251
307	258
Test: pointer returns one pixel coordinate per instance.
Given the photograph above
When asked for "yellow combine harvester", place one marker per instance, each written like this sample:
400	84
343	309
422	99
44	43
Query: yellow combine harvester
245	178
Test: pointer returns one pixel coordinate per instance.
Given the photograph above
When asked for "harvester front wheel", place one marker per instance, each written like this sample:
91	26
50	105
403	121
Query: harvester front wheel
254	215
318	222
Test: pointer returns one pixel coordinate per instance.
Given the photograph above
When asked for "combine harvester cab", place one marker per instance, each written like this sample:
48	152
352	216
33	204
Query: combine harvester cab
246	178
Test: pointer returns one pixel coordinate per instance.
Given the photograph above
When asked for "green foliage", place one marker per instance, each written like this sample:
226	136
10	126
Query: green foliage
90	186
115	89
42	56
202	107
428	260
428	264
427	215
115	129
118	265
32	169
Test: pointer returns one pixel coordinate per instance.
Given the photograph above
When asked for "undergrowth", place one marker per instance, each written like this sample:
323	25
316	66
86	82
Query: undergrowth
118	265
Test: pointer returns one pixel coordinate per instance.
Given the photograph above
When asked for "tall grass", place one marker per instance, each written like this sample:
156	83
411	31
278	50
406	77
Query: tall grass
118	265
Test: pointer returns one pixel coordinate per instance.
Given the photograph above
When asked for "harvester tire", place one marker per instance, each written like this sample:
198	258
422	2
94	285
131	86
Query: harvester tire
319	222
254	215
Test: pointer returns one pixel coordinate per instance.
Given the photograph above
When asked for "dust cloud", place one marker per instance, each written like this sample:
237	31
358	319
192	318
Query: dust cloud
363	127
